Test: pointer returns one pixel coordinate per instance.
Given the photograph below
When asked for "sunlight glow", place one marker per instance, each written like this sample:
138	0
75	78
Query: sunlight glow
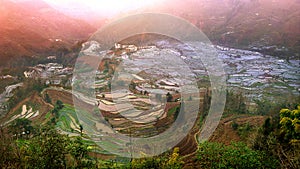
104	6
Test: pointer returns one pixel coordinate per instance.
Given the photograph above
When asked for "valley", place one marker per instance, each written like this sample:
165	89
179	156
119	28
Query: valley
145	109
88	84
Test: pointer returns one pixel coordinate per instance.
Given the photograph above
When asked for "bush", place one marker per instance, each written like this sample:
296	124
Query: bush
234	125
169	161
280	137
47	98
235	103
244	130
290	124
236	155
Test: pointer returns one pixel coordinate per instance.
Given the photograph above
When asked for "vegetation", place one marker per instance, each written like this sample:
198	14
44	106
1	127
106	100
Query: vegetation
290	124
236	155
244	130
55	111
45	149
169	97
280	137
21	127
234	125
235	103
23	145
168	161
29	87
47	98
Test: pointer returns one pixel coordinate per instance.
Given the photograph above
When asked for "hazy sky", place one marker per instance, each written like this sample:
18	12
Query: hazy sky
105	7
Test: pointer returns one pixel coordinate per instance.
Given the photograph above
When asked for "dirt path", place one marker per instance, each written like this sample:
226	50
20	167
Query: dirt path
223	134
226	134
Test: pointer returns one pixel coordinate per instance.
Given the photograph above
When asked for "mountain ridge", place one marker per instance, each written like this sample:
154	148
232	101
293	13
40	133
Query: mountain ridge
33	27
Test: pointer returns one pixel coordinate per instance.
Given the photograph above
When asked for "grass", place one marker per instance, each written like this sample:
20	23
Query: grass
255	85
108	145
244	130
48	115
242	71
172	110
277	83
67	113
65	118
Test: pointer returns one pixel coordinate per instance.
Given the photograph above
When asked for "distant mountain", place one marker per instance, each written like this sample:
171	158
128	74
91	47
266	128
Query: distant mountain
237	23
82	11
240	23
29	27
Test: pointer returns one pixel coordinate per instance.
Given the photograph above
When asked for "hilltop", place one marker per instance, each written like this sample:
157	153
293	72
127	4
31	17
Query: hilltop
32	27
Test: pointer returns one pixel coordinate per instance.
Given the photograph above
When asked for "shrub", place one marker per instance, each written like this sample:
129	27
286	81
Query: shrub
168	161
236	155
234	125
280	137
290	123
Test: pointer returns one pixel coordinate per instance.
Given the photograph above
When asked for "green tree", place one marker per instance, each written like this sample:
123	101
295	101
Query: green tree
167	161
169	97
59	104
236	155
106	67
21	127
9	150
235	103
55	111
234	125
47	98
279	137
81	129
290	124
79	151
30	86
46	150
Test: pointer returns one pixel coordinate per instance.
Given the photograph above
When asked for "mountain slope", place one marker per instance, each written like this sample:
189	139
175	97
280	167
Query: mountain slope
31	26
241	23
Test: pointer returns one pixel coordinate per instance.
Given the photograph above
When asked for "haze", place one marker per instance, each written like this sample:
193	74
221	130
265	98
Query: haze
102	7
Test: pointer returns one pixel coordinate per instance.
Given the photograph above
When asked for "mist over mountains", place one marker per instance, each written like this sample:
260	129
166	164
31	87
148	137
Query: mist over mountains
242	23
149	90
33	27
30	27
228	22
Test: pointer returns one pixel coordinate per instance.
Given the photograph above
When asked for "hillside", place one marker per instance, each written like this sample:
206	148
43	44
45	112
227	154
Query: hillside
241	23
255	24
32	27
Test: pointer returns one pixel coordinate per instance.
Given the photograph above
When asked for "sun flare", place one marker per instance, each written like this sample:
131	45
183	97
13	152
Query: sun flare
104	6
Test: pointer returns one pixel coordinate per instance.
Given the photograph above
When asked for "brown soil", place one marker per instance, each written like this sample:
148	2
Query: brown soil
187	147
226	134
101	156
36	99
55	95
67	98
223	134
